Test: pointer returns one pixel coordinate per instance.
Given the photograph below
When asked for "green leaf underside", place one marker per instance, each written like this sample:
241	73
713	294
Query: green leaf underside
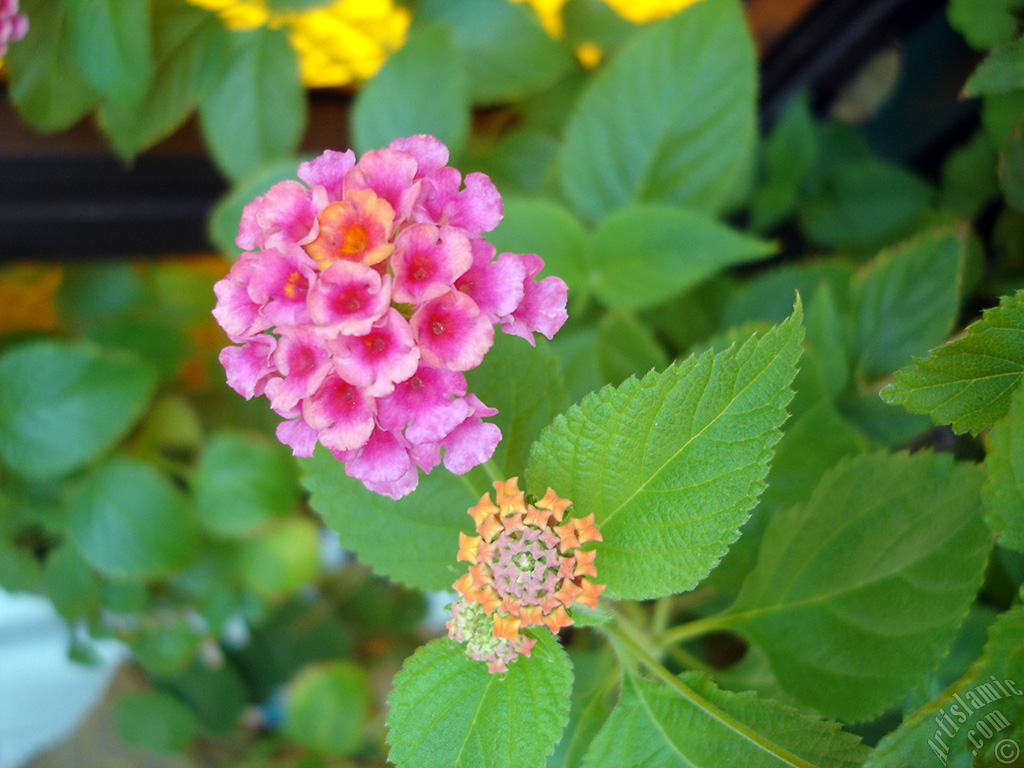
63	405
448	711
968	382
941	731
421	89
1004	488
672	116
130	520
905	302
671	464
413	540
644	254
654	727
858	593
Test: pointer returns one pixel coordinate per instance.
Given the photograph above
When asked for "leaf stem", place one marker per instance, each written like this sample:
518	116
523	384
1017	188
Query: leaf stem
626	641
493	471
693	629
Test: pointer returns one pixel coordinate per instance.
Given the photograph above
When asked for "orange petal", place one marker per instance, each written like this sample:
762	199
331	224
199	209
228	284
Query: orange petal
512	522
585	563
464	585
511	605
506	626
555	503
567	535
509	497
490	527
480	512
557	619
537	517
469	548
591	592
530	615
586	529
568	592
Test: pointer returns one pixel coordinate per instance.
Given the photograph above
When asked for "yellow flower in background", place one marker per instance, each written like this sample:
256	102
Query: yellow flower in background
338	42
28	294
637	11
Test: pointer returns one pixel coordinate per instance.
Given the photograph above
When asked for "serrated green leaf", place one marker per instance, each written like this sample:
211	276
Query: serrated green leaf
63	405
511	55
1004	488
904	302
448	711
596	679
129	520
789	156
243	480
984	24
968	382
644	254
112	46
857	593
672	116
328	705
421	89
671	464
46	85
155	721
654	727
413	540
526	385
227	213
255	112
626	347
950	729
532	225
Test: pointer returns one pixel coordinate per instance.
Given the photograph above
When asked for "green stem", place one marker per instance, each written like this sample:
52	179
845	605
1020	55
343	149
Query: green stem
693	629
493	471
626	641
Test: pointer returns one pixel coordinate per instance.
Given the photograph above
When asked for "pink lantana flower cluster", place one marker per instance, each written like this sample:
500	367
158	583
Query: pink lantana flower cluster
363	297
13	25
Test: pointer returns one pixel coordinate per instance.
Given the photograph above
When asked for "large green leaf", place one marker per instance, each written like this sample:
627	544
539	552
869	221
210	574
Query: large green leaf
63	405
626	347
46	85
255	112
526	385
1004	489
328	705
421	89
155	721
1002	71
281	559
789	156
593	698
644	254
905	302
413	540
112	46
242	482
964	726
654	727
671	119
129	520
969	381
671	464
187	42
511	56
984	24
448	711
858	592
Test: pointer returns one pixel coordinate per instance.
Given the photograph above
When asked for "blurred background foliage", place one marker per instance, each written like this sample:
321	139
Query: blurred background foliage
152	505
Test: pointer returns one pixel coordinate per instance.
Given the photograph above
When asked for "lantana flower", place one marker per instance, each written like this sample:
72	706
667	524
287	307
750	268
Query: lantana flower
527	568
364	296
13	25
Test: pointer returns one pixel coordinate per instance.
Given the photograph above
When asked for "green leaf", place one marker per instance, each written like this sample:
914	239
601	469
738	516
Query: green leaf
46	85
421	89
155	721
1002	71
644	254
671	464
243	480
217	696
129	520
282	559
864	204
1000	113
1004	489
255	112
984	24
654	727
63	405
519	161
969	178
526	385
448	711
1011	169
596	678
905	302
227	213
626	347
74	588
412	540
186	43
328	705
110	40
951	730
789	156
857	593
671	117
769	296
512	56
577	349
969	381
532	225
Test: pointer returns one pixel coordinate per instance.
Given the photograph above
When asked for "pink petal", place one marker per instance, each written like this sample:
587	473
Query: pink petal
349	298
476	209
342	414
287	214
390	174
377	360
383	460
280	281
426	262
496	287
430	153
298	436
303	362
328	171
473	442
543	306
427	406
249	365
452	332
